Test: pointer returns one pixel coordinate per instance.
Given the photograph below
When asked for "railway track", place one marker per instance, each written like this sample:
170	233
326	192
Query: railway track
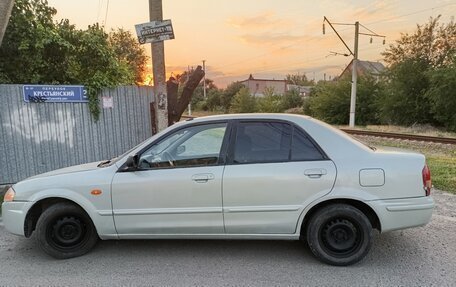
402	136
391	135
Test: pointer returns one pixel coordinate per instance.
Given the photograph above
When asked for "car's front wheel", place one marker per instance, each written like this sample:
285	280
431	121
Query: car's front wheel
339	234
64	230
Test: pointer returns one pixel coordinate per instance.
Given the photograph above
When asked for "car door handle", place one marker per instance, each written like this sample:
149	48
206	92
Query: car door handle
315	172
202	177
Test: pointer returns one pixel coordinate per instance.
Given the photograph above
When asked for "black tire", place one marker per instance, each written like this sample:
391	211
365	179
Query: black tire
339	234
64	230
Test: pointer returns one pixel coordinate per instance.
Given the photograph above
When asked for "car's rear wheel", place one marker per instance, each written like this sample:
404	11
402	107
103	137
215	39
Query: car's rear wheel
339	234
64	230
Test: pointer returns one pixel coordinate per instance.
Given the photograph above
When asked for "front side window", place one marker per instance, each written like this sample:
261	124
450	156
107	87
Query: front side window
192	146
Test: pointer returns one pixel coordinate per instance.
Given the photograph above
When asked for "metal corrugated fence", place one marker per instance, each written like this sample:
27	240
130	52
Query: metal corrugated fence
39	137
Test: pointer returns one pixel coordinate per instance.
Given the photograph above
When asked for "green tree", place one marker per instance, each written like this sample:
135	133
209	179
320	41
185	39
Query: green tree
330	101
228	95
413	61
37	50
213	101
243	102
269	91
441	93
105	69
298	79
29	43
404	102
432	43
127	50
270	104
198	95
291	99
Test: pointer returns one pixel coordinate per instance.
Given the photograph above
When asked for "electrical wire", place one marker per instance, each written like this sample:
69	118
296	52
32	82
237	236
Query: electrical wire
313	38
100	4
410	14
106	14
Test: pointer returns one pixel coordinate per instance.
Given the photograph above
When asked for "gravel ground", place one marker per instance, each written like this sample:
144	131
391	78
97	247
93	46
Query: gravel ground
424	256
445	204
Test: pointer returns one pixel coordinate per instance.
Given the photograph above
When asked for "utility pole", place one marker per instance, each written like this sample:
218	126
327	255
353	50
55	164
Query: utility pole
158	70
204	79
190	103
5	12
354	78
354	62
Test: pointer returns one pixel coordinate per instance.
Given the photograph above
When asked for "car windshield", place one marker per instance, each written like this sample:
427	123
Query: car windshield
113	160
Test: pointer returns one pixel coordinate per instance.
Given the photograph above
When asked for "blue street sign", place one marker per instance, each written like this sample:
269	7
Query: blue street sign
55	94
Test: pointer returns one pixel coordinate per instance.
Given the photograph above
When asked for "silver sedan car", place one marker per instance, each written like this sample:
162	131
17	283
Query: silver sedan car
250	176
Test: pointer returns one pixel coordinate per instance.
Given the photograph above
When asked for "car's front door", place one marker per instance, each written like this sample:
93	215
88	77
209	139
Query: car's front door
177	189
273	169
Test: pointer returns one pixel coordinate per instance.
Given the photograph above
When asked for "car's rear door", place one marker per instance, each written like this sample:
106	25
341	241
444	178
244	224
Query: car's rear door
178	187
273	169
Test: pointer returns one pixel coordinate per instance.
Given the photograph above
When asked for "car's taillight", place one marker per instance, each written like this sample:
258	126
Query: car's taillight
427	183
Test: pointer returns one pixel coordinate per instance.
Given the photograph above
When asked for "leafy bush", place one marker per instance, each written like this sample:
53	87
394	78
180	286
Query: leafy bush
291	99
37	50
404	102
441	94
228	95
243	102
330	101
270	104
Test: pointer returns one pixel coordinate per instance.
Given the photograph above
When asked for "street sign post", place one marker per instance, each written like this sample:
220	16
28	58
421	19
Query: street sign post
55	94
154	31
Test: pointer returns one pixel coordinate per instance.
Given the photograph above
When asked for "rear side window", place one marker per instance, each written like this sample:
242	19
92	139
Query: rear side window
261	142
303	149
258	142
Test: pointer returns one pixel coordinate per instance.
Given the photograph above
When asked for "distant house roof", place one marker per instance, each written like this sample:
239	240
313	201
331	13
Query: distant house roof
365	67
254	79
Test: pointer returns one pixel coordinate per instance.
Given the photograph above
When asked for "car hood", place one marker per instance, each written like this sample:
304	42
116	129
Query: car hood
70	169
73	179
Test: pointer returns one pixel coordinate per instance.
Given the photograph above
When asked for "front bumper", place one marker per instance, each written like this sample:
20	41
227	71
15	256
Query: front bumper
403	213
13	214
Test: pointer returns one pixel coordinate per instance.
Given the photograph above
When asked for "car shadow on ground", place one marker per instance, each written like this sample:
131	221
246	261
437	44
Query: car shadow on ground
387	250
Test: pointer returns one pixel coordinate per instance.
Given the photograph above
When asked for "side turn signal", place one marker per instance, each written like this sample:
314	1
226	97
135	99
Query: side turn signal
96	192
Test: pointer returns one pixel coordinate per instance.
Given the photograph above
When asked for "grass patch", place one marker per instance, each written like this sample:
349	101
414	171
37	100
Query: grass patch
443	171
441	159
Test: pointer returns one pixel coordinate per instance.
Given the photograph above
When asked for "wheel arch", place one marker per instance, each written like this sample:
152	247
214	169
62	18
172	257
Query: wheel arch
362	206
34	213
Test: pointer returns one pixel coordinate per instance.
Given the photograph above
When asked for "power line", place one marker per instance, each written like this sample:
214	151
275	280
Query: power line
271	68
100	4
106	14
315	38
410	14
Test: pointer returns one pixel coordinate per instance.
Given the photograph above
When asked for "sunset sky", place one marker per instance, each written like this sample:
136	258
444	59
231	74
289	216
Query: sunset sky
266	38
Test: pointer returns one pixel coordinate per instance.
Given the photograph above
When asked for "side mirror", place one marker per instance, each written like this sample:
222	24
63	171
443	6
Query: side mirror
131	164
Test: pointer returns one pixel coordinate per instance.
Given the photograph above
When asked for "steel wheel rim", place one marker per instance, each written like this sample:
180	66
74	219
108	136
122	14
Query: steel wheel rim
67	233
341	237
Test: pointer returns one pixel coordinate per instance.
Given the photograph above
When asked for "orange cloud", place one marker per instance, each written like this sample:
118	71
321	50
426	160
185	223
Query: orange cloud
269	38
260	21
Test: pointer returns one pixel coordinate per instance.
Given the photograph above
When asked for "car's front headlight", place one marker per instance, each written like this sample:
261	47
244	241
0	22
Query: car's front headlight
9	195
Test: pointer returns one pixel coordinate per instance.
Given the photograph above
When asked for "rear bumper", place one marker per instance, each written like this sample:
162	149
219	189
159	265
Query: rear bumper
397	214
13	214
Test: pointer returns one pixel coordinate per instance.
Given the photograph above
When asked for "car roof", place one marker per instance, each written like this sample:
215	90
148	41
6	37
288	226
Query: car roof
270	116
